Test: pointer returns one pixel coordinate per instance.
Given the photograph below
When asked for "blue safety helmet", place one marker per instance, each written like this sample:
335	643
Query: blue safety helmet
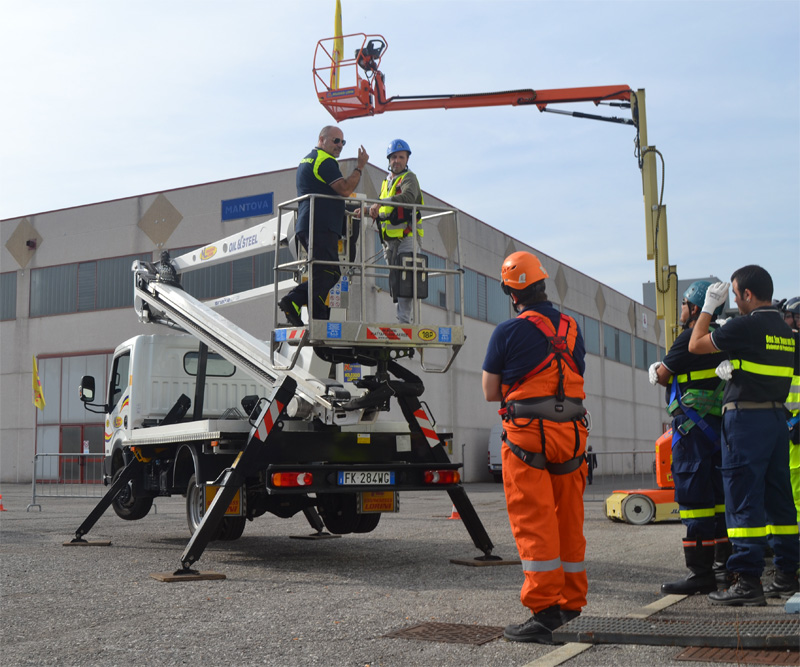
397	145
696	295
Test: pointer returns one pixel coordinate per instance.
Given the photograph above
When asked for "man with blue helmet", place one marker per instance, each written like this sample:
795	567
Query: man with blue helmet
694	401
398	222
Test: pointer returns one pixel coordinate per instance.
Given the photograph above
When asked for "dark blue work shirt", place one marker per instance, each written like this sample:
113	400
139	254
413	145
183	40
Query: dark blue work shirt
518	346
316	172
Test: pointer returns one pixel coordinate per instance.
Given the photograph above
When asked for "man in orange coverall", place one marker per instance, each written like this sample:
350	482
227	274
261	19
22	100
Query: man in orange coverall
534	366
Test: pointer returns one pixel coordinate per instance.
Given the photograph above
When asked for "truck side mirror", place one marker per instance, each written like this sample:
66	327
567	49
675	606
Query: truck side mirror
86	388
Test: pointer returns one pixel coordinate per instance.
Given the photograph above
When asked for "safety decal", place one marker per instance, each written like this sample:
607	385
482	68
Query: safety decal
388	333
208	252
270	417
426	334
445	334
334	330
427	429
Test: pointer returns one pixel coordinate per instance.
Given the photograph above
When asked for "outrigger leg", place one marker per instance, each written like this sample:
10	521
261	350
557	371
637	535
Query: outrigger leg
418	421
232	479
122	480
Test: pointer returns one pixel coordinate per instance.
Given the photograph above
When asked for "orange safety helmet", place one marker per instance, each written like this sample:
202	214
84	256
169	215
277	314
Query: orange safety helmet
521	270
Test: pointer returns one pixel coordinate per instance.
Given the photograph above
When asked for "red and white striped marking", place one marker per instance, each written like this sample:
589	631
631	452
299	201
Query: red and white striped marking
270	417
388	333
292	334
427	429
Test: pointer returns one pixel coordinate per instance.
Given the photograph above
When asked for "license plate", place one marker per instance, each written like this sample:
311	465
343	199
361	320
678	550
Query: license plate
365	477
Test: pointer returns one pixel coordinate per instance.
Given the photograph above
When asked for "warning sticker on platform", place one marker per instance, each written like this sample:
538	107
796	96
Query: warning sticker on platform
352	372
334	330
446	334
388	333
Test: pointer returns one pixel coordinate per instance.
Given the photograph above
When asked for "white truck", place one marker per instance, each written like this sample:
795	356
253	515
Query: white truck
242	426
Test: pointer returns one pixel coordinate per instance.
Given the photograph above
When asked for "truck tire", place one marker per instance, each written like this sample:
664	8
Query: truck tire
126	505
231	527
638	509
338	512
367	522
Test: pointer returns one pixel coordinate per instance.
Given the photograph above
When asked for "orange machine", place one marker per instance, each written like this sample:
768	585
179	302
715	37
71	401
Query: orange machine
640	506
355	88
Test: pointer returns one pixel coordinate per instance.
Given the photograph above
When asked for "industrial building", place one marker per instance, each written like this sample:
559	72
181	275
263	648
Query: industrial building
66	300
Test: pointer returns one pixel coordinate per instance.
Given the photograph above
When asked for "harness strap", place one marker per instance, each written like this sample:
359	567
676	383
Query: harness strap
693	415
539	461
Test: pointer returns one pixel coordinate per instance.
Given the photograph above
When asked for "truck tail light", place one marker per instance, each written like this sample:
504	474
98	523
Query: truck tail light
441	477
284	479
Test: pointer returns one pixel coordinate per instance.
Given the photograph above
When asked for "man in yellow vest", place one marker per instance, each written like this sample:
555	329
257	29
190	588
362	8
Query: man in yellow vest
397	223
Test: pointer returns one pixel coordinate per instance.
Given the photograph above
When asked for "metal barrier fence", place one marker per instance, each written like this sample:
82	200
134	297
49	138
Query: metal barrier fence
66	476
621	470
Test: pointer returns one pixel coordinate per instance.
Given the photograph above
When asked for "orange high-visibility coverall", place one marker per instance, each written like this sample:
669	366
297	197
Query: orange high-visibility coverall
545	510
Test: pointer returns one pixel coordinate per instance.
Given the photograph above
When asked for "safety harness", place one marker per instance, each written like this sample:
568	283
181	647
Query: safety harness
558	408
695	404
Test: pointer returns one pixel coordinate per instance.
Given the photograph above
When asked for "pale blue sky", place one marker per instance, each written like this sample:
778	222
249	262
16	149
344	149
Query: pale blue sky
105	99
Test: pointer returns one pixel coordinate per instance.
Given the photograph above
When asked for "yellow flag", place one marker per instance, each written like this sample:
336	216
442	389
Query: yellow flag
38	394
338	46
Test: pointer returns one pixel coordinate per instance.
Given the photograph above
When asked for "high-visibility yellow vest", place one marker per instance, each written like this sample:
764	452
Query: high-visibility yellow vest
396	221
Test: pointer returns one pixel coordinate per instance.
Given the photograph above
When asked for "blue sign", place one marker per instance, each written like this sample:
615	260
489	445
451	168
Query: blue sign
334	330
280	334
445	334
247	207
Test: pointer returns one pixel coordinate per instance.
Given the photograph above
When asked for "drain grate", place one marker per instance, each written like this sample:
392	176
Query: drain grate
739	656
682	632
452	633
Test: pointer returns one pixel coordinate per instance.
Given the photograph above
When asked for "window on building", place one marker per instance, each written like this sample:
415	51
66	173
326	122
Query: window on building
616	345
8	295
645	353
83	286
590	329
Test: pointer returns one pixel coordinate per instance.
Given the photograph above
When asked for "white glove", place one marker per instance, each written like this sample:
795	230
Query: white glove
725	370
652	373
716	295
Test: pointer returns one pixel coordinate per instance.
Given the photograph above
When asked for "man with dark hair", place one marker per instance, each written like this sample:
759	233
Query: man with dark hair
694	401
534	367
319	174
759	510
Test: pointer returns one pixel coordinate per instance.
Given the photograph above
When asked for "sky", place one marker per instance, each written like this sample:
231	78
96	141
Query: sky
104	99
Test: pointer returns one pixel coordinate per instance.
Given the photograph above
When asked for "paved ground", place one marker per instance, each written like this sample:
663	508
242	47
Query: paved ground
297	602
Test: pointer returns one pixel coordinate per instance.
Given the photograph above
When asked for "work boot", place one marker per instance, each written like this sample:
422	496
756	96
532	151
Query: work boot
699	558
746	591
538	628
292	312
722	551
784	585
568	615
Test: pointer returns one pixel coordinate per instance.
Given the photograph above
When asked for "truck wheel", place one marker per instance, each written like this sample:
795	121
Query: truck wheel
231	527
126	505
638	509
367	522
338	512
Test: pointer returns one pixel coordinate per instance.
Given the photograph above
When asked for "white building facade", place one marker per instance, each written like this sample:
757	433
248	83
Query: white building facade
66	299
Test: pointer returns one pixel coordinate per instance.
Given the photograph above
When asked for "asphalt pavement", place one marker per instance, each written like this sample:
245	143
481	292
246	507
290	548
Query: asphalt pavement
331	602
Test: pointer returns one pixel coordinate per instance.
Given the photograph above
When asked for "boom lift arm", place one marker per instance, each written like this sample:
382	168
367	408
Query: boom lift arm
366	96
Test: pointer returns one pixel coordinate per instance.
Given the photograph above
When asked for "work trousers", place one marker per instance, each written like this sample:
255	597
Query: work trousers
546	516
759	509
391	252
326	248
696	462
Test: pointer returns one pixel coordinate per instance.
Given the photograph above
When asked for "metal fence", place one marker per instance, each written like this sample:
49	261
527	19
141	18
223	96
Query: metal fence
66	476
